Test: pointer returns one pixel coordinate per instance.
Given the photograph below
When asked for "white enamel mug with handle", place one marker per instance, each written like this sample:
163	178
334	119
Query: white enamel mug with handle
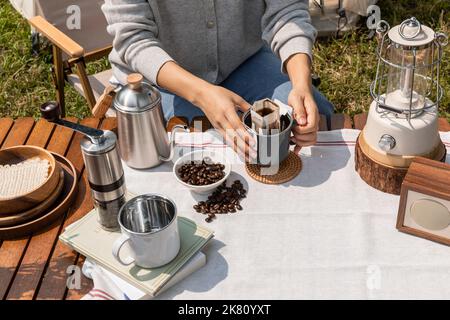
149	227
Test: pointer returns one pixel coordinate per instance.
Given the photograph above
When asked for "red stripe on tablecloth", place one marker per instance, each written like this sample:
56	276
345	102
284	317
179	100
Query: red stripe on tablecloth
99	291
320	143
217	145
97	295
200	145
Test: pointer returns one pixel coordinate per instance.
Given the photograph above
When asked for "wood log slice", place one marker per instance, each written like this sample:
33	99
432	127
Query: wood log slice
384	178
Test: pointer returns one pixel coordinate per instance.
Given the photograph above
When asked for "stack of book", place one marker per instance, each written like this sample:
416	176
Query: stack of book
89	239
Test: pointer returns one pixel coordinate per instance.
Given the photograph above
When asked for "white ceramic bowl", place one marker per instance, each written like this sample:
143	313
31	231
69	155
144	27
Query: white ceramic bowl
199	156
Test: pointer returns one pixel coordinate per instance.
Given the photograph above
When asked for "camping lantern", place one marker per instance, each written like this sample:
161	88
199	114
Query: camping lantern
403	118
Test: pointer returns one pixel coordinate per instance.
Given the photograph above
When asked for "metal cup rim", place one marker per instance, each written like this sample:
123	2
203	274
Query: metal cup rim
147	195
289	127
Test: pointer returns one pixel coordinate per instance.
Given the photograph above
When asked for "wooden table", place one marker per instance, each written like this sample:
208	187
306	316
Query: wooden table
37	267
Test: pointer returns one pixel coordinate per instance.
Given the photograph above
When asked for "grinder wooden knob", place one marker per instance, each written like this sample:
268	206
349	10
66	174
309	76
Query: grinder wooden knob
51	111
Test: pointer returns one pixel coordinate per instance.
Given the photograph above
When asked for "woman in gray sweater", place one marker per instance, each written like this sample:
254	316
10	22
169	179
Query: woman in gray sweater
213	57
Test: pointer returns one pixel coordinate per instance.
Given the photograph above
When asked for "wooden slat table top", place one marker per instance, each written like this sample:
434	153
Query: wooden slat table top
36	267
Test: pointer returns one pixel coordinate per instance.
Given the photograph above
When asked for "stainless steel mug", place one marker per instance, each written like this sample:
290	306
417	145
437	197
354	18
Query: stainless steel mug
274	148
149	225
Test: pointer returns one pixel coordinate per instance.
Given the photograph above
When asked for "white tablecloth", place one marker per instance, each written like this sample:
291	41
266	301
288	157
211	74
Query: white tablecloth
325	234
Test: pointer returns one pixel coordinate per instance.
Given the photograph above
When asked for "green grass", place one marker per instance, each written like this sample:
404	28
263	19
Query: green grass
346	65
25	80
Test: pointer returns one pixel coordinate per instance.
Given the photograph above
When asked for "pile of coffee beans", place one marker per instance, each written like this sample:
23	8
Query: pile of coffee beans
200	173
222	201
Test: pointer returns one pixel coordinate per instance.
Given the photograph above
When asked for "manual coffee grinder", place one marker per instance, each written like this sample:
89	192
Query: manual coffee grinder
103	165
402	121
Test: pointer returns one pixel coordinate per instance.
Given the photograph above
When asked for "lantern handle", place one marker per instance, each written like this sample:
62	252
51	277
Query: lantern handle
411	22
441	38
382	26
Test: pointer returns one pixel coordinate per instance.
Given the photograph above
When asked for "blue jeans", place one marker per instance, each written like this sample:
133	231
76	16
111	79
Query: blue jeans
257	78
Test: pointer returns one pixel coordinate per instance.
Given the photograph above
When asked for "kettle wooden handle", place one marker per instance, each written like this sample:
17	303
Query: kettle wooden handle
104	103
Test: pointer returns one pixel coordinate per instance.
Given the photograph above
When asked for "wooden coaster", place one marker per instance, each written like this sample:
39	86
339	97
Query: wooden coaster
289	169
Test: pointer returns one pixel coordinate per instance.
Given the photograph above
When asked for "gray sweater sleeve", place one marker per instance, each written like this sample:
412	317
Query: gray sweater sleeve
135	32
287	28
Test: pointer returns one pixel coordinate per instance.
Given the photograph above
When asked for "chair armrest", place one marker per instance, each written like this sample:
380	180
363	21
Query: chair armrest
58	38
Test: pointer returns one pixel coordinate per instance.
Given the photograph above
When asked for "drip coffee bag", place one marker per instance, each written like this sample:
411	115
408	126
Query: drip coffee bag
265	115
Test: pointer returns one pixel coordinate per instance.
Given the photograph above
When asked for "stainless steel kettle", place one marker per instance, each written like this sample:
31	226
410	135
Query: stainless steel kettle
143	140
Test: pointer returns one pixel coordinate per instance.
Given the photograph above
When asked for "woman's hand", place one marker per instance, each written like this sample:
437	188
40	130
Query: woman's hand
301	99
307	116
220	106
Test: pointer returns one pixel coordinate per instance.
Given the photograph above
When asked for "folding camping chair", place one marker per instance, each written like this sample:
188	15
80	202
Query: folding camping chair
332	17
74	47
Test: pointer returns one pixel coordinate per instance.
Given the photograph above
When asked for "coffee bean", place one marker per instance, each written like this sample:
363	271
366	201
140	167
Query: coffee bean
201	173
223	200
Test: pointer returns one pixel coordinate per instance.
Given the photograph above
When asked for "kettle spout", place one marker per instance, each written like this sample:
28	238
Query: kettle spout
175	129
